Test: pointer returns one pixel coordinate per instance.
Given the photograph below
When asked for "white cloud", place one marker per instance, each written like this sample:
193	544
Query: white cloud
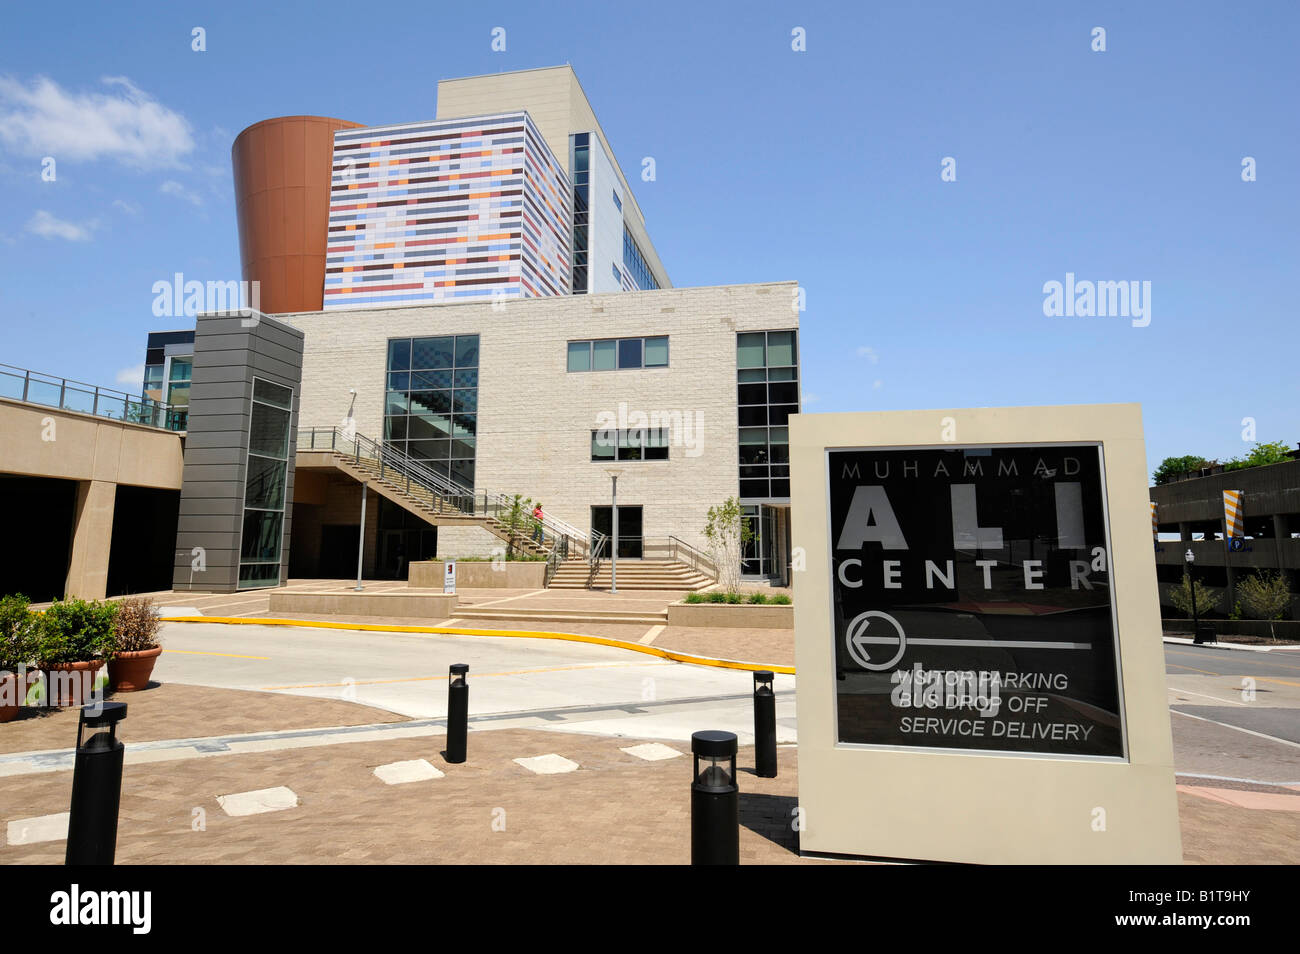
869	354
809	398
877	384
128	207
172	187
126	123
48	226
132	376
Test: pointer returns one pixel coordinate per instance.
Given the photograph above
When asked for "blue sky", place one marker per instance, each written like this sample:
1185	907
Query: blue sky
821	166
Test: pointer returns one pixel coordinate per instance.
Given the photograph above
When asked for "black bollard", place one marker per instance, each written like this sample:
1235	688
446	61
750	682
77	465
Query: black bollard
457	713
96	787
715	800
764	725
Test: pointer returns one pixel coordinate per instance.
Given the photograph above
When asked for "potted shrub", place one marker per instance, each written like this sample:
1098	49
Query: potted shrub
135	645
17	651
73	639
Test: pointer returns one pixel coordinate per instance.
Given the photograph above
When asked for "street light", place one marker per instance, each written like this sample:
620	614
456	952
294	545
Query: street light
1190	557
613	547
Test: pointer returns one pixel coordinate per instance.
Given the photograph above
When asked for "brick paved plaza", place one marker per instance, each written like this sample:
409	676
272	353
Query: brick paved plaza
614	809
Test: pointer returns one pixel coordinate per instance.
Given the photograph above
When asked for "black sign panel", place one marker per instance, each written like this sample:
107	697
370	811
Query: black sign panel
972	599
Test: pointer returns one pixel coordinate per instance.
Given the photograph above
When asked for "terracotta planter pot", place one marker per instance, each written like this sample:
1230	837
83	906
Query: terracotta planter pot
13	691
68	684
130	672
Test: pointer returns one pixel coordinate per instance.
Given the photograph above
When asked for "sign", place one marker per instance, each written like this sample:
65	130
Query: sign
449	576
1233	516
972	602
977	634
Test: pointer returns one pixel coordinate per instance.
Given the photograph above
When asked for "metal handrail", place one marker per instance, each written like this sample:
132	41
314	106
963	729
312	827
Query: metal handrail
23	384
697	556
348	442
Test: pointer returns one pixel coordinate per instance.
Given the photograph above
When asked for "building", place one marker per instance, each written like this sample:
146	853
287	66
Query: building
444	211
1190	515
491	320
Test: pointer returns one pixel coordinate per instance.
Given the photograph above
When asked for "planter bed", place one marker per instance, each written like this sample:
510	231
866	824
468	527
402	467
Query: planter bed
732	615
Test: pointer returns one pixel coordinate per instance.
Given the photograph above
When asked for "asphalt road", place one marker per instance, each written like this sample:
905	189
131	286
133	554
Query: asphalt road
1234	714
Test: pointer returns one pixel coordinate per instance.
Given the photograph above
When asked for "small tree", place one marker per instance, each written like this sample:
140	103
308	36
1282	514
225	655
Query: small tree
518	521
727	532
1181	597
1265	452
1265	596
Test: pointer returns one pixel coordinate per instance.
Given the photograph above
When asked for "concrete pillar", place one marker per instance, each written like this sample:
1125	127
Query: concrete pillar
1185	532
92	538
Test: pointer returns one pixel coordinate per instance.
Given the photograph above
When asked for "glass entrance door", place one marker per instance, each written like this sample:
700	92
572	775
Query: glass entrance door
629	530
758	556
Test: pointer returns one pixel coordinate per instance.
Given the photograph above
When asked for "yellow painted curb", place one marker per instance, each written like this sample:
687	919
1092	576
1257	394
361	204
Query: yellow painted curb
521	633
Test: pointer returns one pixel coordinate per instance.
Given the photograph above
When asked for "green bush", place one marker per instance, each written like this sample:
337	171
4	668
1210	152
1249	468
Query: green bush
780	599
75	631
18	631
715	597
733	597
694	598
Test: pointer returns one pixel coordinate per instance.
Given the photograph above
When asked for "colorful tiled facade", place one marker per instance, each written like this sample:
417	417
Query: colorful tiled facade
457	210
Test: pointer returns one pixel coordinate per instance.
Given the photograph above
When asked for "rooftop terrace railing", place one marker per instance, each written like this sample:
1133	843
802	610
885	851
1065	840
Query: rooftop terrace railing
33	387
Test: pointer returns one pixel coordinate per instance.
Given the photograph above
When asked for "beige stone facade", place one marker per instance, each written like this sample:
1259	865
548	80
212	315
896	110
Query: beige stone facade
535	418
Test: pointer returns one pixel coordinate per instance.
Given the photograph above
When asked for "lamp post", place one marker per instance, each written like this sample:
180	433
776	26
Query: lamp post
1190	558
613	546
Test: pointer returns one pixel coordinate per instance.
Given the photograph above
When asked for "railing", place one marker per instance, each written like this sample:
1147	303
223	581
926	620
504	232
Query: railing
33	387
697	559
556	534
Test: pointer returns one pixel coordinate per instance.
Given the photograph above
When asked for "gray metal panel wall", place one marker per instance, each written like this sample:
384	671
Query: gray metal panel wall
228	355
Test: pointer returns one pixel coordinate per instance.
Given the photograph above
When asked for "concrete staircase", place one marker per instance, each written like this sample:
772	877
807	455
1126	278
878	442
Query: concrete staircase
632	575
420	500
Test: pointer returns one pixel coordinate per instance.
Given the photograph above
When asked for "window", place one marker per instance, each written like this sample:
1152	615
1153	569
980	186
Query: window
431	406
640	443
262	538
622	353
767	393
635	263
617	201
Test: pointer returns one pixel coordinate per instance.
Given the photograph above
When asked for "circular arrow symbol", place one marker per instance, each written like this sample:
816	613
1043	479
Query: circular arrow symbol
856	639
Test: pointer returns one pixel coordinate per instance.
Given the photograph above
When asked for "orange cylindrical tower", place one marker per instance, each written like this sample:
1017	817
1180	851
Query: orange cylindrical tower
282	202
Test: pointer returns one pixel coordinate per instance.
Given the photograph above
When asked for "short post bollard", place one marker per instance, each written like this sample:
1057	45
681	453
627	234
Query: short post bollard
764	725
715	800
457	713
96	787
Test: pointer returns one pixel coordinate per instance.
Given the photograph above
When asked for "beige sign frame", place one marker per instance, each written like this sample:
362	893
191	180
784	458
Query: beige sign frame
979	807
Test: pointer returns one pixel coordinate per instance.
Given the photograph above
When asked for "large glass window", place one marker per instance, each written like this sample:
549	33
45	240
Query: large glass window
266	475
767	393
431	406
580	145
640	443
610	353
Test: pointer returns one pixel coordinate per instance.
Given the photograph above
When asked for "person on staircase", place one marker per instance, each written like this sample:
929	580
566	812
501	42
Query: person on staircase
538	516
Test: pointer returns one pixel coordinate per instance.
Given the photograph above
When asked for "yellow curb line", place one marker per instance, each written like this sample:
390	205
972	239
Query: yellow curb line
520	633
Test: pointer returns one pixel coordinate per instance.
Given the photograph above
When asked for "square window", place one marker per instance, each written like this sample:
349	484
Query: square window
467	351
399	354
466	379
780	348
602	445
464	400
267	393
751	351
603	355
753	488
421	427
751	394
751	376
430	402
656	352
394	428
752	416
629	353
579	356
779	414
464	425
396	403
399	380
783	393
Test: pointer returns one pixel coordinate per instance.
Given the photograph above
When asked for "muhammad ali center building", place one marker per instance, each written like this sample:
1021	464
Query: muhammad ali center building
457	311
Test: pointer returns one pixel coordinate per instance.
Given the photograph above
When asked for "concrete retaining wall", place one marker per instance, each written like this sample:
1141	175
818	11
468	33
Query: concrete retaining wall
348	603
513	575
1282	628
731	615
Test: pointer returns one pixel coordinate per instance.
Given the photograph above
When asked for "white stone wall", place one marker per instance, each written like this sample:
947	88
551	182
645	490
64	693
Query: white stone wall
535	418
